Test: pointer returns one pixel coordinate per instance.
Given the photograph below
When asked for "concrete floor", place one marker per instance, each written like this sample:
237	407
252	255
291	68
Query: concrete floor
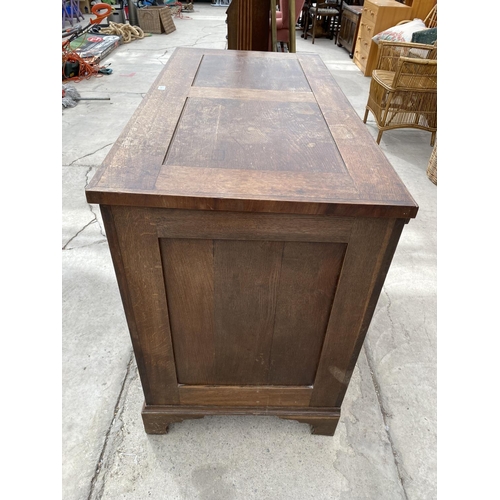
385	444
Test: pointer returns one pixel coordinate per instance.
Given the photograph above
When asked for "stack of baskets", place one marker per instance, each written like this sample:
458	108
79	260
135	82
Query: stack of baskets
155	20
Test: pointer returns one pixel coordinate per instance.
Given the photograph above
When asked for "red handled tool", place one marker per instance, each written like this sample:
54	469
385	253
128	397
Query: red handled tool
69	36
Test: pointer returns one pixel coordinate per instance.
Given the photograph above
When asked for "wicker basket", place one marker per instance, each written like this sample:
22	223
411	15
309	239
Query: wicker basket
155	20
432	167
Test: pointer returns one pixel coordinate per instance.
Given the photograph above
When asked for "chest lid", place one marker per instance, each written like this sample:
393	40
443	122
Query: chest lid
249	131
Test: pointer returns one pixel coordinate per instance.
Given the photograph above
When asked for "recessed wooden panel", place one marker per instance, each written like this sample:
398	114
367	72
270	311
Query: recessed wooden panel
309	274
249	312
250	72
189	280
246	279
239	134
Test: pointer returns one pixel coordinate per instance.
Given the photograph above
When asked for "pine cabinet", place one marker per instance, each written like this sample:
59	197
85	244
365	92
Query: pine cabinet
377	15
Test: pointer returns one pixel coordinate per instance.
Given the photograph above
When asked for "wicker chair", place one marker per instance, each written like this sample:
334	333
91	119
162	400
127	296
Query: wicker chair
403	88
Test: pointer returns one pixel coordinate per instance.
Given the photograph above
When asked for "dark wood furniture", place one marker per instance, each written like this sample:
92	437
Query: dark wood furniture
348	32
323	19
251	220
251	25
248	25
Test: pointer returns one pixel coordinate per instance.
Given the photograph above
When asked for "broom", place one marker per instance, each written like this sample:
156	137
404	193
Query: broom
71	96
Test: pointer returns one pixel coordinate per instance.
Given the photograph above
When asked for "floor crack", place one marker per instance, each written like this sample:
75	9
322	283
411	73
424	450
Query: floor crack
90	154
94	220
79	232
97	484
91	206
385	416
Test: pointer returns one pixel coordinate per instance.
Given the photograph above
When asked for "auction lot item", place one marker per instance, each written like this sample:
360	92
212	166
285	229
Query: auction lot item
252	220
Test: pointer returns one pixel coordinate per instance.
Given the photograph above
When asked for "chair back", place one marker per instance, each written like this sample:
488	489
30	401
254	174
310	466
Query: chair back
329	4
389	53
431	21
418	75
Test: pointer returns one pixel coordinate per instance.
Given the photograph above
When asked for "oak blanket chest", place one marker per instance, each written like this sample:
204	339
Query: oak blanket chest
251	220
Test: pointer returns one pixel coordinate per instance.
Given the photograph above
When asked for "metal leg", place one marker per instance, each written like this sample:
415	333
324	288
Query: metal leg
75	9
64	15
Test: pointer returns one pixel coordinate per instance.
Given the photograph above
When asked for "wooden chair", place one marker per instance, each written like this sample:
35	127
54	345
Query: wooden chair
403	88
304	16
325	19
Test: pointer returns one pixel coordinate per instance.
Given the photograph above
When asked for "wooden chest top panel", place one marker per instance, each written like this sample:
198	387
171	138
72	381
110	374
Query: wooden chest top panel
243	72
240	134
249	131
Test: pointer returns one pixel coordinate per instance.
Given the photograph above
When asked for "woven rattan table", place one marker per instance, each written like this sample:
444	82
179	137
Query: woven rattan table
252	220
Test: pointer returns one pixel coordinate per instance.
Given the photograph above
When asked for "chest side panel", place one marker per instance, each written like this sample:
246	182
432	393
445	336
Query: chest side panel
249	309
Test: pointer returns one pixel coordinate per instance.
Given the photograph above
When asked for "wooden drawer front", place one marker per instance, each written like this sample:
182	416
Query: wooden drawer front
366	33
360	59
363	46
369	12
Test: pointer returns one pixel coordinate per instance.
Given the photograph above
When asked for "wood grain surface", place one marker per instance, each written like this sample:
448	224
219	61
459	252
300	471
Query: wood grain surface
252	220
248	301
323	421
244	395
249	131
248	25
137	259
